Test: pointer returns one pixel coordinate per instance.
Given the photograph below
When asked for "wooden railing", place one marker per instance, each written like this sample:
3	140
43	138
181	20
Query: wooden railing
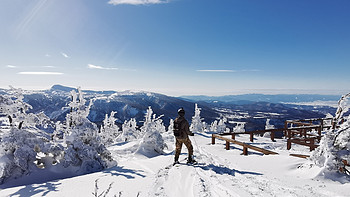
244	145
301	134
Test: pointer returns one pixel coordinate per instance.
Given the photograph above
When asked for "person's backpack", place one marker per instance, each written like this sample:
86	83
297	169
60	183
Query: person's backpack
177	125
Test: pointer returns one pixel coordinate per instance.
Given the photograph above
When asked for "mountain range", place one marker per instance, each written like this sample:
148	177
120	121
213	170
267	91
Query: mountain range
251	109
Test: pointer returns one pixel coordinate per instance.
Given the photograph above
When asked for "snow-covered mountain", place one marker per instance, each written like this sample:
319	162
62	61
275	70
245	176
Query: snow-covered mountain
127	104
133	104
277	98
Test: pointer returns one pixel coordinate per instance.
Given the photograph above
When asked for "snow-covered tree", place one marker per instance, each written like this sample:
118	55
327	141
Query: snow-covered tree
268	126
83	147
20	144
334	150
221	128
129	131
109	130
13	106
196	123
171	126
18	151
239	128
152	142
214	126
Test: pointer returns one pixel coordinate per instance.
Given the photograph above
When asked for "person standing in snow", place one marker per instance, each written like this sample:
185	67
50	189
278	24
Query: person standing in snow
181	132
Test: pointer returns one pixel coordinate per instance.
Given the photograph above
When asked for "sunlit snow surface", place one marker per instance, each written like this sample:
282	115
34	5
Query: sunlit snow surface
220	172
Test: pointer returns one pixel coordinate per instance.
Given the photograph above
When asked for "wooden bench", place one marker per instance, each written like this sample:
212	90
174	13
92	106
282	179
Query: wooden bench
244	145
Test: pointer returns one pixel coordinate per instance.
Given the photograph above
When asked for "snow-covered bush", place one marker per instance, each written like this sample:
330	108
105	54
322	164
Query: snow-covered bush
129	131
334	149
20	144
18	151
109	130
196	123
152	142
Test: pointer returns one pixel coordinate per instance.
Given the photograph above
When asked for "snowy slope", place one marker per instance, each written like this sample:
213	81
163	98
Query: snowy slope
220	172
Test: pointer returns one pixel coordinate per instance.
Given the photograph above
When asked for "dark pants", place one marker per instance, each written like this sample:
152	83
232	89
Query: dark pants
179	143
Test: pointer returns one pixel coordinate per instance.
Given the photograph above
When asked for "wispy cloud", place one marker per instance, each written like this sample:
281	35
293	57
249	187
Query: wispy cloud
222	71
40	73
137	2
65	55
91	66
11	66
49	67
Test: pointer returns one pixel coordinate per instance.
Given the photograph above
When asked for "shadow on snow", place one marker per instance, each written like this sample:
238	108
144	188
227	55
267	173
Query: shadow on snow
30	190
121	171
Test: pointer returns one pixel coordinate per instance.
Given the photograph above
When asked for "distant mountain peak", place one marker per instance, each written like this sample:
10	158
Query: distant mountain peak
61	88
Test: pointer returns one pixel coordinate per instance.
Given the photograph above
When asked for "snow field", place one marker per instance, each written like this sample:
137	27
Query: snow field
220	172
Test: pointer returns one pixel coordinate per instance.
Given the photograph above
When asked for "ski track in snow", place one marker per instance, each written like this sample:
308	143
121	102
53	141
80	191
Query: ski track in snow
214	176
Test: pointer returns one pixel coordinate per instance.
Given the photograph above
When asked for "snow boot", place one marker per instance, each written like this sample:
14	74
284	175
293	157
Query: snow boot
176	162
190	160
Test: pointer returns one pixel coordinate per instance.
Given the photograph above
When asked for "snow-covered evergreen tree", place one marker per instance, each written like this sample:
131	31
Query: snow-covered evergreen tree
13	106
196	123
20	144
171	126
214	126
109	130
334	149
129	131
83	147
152	142
239	128
268	126
221	128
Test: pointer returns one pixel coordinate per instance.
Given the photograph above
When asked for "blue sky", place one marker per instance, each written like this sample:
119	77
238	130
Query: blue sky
177	47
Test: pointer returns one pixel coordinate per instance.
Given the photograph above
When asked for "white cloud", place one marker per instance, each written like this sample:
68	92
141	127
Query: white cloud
65	55
49	66
40	73
226	71
91	66
11	66
136	2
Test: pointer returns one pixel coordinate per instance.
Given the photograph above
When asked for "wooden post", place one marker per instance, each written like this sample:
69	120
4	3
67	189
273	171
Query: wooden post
233	136
289	144
245	150
285	129
227	145
212	139
319	133
312	144
252	137
273	136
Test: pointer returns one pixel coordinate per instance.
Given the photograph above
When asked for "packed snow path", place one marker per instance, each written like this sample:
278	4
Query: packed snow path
219	172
